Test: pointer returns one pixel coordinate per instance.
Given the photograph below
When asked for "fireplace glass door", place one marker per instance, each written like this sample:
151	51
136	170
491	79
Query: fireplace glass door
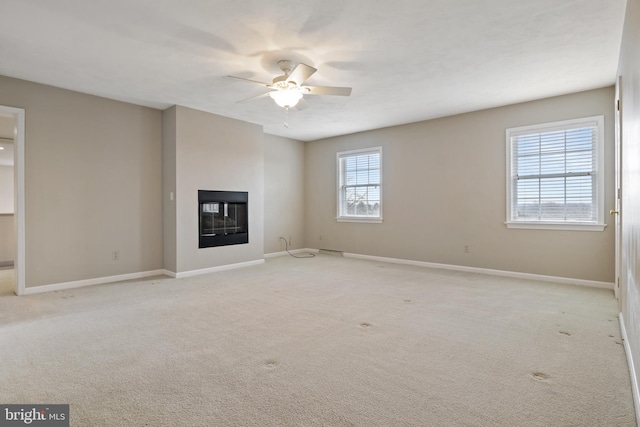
222	218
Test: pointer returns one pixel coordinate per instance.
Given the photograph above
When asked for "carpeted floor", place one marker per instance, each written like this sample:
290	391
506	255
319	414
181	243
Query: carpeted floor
326	341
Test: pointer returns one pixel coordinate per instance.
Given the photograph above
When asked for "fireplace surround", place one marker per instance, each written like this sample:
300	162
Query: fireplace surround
222	218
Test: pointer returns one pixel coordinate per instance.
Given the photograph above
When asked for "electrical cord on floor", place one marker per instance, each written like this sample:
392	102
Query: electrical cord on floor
286	248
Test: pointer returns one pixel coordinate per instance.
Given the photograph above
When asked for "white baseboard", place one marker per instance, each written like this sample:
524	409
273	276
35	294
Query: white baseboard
91	282
513	274
134	276
632	371
276	254
144	274
293	251
192	273
169	273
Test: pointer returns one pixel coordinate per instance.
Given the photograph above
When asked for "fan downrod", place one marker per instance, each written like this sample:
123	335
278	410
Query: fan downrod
286	66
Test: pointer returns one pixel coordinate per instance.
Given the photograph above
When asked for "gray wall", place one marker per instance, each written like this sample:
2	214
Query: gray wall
93	184
7	239
445	187
220	154
629	70
6	190
95	179
284	193
7	127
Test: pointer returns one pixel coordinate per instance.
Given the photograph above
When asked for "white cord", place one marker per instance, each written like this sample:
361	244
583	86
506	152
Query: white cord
286	248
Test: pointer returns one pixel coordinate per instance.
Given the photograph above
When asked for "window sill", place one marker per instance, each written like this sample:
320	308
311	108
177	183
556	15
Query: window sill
359	219
566	226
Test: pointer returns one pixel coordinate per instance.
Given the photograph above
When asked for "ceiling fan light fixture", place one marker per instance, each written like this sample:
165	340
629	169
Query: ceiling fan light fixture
286	98
288	89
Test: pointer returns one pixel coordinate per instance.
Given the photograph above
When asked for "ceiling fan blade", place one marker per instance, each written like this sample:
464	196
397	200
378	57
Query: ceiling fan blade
253	98
302	105
301	73
248	80
327	90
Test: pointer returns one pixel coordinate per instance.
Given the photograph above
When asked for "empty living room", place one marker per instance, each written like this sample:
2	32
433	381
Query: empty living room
320	213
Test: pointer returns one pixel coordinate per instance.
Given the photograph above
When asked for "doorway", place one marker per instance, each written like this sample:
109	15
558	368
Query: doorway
17	119
7	229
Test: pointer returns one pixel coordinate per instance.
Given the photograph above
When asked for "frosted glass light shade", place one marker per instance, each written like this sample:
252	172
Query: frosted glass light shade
286	98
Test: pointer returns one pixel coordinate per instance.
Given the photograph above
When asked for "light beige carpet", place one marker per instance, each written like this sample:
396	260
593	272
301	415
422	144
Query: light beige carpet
326	341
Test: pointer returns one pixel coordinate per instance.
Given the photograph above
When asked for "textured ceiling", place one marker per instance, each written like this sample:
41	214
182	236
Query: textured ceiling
406	60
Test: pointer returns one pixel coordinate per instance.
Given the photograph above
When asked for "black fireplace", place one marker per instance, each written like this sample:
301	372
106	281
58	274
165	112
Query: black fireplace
222	218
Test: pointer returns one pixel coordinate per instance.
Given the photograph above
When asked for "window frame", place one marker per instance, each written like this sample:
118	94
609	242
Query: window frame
599	224
340	217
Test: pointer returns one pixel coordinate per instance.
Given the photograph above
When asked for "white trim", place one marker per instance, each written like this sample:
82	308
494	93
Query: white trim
567	226
191	273
632	371
598	121
349	153
91	282
169	273
293	251
275	254
133	276
503	273
19	197
558	125
19	146
364	219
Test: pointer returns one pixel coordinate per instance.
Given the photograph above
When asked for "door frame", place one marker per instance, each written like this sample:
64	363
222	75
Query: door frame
18	115
617	212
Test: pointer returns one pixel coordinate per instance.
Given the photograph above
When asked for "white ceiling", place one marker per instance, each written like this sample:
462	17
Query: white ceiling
407	60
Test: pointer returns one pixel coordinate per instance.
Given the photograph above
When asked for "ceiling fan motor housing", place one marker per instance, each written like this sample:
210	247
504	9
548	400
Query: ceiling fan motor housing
281	83
286	66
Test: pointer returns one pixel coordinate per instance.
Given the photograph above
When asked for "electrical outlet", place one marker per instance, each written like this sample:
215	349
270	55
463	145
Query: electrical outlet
115	255
466	249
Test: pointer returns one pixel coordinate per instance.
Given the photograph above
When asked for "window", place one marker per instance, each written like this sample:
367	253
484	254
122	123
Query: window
360	185
555	175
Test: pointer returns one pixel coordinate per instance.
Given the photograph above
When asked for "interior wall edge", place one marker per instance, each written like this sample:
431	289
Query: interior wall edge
632	372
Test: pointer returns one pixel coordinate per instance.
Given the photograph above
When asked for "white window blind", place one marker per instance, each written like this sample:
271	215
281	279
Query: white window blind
555	173
360	185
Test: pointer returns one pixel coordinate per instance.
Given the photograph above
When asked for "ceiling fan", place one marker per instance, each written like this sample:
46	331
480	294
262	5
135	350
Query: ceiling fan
287	90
